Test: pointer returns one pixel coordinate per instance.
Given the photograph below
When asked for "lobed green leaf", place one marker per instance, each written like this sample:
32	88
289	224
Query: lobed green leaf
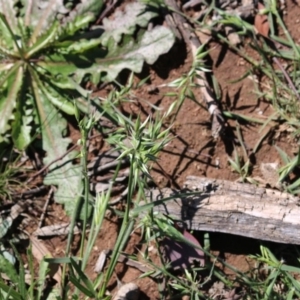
7	45
8	9
63	173
124	23
42	15
92	7
21	128
130	55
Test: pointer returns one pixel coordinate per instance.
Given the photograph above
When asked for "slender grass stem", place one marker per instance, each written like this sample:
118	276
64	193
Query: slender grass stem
97	222
86	188
124	233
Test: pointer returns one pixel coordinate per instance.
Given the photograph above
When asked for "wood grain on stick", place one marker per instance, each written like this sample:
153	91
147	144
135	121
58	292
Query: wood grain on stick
235	208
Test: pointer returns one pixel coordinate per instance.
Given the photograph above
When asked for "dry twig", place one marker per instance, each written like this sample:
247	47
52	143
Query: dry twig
51	163
57	159
45	207
192	40
106	11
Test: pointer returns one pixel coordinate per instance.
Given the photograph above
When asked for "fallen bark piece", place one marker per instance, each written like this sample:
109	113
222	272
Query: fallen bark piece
235	208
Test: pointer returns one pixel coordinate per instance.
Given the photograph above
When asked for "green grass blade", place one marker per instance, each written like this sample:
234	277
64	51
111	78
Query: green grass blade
43	272
10	291
81	276
81	288
22	284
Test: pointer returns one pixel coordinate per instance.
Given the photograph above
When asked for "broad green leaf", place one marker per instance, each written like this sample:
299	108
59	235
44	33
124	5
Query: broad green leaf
63	174
58	100
21	127
81	9
56	34
135	13
7	46
8	103
8	9
83	46
45	41
60	64
23	116
69	83
130	55
15	37
69	28
43	14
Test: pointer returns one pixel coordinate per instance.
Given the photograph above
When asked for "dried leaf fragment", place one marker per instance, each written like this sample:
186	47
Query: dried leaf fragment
180	254
39	251
58	229
101	261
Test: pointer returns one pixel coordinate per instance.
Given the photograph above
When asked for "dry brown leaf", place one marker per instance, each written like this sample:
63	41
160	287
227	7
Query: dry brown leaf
101	261
261	22
58	229
270	173
39	251
18	208
232	295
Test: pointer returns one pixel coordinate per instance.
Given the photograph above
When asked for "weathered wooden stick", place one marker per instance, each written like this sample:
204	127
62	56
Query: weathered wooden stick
235	208
190	38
